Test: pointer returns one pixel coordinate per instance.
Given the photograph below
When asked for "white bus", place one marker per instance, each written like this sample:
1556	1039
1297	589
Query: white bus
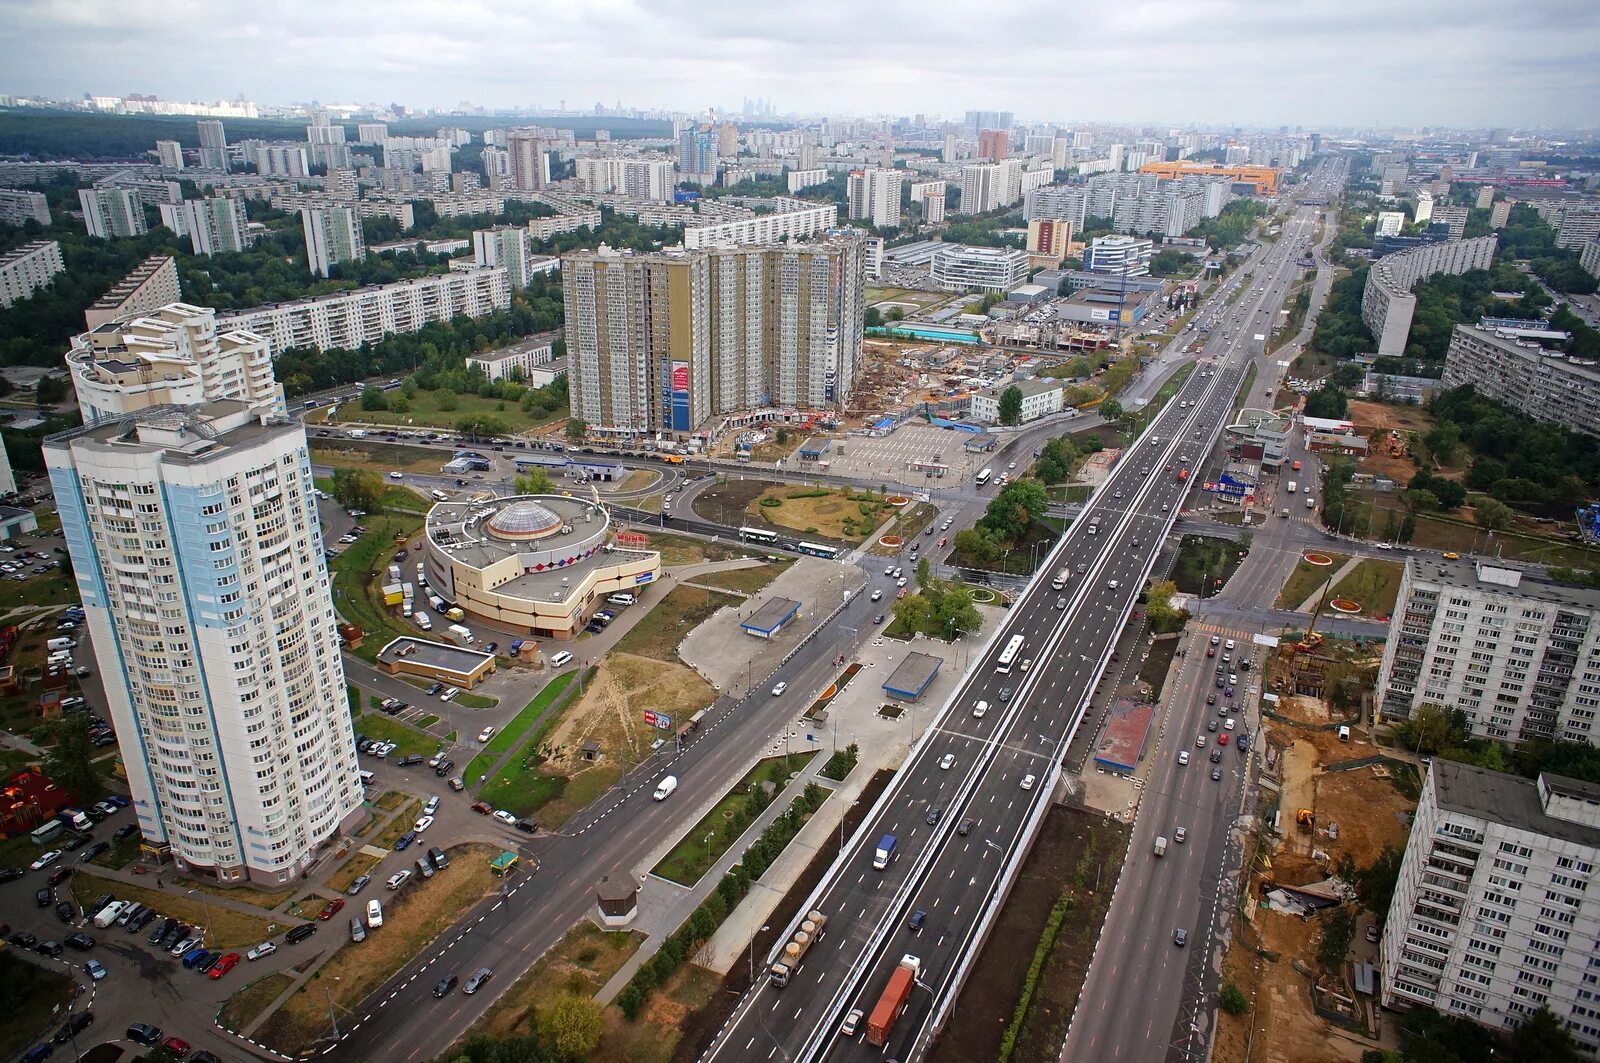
758	535
1008	655
983	477
818	550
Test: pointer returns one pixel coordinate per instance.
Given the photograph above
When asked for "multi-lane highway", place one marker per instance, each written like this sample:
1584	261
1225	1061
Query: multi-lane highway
974	788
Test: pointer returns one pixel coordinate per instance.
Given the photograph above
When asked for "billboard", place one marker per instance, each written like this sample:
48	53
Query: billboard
679	389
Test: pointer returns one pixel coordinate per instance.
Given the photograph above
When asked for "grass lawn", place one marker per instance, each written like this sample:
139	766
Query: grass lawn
838	514
408	814
1149	410
426	411
1200	558
412	917
1373	583
33	993
680	550
225	928
427	721
379	457
660	632
503	742
1439	533
358	865
247	894
1307	579
654	1038
249	1002
1246	391
581	962
744	580
476	701
406	740
694	854
357	574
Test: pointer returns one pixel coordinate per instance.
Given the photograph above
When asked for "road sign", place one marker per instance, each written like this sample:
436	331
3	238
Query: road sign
651	718
663	721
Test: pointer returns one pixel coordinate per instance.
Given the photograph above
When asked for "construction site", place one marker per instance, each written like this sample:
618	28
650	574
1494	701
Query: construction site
1329	795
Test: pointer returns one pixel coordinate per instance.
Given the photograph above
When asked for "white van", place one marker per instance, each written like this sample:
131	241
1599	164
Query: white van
109	913
665	787
561	659
621	598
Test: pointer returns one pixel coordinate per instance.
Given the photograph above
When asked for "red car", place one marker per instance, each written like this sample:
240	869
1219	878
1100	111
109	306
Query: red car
943	539
483	808
1222	740
227	963
331	909
177	1046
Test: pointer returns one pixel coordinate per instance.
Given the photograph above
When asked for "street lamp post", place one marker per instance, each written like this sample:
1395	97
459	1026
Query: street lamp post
205	907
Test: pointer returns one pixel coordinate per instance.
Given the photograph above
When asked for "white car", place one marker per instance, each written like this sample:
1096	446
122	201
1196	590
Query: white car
266	948
486	734
423	824
1384	546
1227	725
778	690
396	476
877	595
374	914
947	761
901	582
1027	782
399	878
505	817
432	806
851	1022
449	695
46	859
1183	756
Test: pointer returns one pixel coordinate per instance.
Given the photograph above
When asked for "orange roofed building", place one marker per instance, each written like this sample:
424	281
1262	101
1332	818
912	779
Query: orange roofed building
1264	178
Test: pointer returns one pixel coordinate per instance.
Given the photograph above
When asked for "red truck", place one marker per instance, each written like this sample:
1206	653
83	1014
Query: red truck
1183	474
893	1001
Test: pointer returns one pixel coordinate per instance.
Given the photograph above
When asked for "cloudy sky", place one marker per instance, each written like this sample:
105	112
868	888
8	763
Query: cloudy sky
1323	63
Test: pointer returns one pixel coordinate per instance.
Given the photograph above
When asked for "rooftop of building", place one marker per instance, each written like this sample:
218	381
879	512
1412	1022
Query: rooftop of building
913	674
24	250
124	287
1481	574
1029	387
774	612
523	347
440	655
368	289
1510	799
974	252
186	434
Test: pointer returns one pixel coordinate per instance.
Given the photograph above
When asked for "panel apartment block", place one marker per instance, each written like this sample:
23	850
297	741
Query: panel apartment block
195	545
1517	653
1387	304
1546	385
26	269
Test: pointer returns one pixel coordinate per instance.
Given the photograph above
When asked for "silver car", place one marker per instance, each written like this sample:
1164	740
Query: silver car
475	981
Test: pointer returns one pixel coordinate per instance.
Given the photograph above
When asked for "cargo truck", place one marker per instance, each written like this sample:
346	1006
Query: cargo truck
1290	486
808	933
885	852
893	1002
1161	846
1060	582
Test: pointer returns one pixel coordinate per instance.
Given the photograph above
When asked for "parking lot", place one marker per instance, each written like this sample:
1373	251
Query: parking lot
890	459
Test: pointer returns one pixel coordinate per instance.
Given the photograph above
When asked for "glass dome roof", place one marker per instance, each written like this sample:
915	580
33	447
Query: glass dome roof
526	519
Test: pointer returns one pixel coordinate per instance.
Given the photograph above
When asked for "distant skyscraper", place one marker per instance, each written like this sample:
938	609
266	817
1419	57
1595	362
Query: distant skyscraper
530	163
111	212
216	225
199	560
213	145
698	156
875	195
333	235
169	153
505	245
727	140
948	153
992	144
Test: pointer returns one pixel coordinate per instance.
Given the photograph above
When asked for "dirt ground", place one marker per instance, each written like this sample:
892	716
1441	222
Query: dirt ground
1073	843
1379	415
726	502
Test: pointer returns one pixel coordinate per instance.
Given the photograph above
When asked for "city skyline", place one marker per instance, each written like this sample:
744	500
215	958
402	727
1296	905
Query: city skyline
1340	67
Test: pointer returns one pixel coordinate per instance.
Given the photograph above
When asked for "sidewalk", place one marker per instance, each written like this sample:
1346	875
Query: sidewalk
658	919
1344	570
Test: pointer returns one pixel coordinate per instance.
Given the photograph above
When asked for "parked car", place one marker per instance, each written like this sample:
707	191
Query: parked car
299	933
476	980
375	913
145	1034
399	878
358	885
266	948
331	909
223	966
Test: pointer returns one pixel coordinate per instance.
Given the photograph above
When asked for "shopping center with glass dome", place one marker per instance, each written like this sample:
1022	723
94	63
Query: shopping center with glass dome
531	564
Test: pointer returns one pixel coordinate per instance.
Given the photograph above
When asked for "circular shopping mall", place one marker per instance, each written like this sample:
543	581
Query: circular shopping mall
531	564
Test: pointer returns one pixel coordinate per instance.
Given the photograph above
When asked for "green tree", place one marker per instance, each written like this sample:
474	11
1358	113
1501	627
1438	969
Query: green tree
872	317
1014	510
535	481
483	426
1164	616
576	429
373	399
1011	405
1327	402
50	390
1491	514
1541	1038
1426	730
69	761
1111	410
1337	933
1232	999
1374	884
924	572
445	401
1444	441
569	1026
357	489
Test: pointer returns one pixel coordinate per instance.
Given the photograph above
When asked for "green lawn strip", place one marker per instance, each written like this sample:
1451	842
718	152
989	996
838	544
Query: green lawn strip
658	634
517	787
354	586
427	721
1307	579
407	742
33	994
503	742
476	701
1374	584
730	817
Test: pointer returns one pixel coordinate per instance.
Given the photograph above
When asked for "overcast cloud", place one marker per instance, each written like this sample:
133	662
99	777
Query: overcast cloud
1323	63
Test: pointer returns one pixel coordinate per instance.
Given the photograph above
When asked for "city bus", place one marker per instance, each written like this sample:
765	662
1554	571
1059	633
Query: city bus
1008	655
758	535
817	550
983	477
